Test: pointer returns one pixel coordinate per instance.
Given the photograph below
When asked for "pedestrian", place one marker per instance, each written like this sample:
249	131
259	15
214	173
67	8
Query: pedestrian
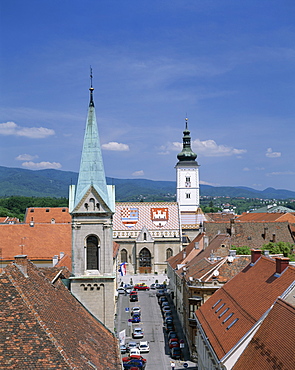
172	365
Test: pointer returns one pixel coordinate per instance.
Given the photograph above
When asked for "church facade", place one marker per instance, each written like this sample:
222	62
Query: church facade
151	232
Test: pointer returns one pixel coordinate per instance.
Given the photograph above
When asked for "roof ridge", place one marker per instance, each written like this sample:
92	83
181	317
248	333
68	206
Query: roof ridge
36	315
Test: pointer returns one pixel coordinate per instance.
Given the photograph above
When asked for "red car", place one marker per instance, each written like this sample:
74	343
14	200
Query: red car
141	287
173	342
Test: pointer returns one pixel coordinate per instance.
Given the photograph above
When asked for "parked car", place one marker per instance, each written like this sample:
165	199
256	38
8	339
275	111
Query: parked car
168	320
144	347
135	309
121	290
123	348
166	309
169	327
141	287
164	303
173	342
134	351
175	353
137	333
172	334
160	293
131	345
135	318
134	361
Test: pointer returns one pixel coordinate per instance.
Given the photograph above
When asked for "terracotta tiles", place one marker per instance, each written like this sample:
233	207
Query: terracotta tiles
48	215
264	352
267	217
42	241
247	296
45	327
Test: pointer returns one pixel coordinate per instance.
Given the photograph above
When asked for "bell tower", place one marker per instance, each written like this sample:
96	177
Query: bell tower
92	205
187	180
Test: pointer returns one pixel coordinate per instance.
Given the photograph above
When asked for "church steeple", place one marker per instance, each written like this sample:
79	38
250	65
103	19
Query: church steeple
91	171
186	154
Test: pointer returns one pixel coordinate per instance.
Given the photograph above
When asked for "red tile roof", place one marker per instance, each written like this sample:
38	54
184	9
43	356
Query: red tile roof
247	296
272	346
48	215
47	328
42	241
267	217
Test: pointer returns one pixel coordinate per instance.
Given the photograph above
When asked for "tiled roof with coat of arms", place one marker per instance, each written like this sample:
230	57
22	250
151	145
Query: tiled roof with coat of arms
134	216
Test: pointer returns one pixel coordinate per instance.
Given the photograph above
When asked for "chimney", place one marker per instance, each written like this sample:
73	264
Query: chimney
21	262
255	255
61	255
232	226
281	264
55	260
206	242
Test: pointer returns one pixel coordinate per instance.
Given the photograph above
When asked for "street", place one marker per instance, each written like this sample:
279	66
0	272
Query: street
154	332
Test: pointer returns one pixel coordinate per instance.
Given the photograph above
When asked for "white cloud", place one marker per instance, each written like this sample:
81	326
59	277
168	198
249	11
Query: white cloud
281	173
118	147
138	173
41	165
246	169
207	148
26	157
208	183
11	128
270	154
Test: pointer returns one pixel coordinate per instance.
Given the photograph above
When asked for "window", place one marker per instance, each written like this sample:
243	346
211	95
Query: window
169	253
219	308
187	195
145	258
227	318
215	304
223	312
123	255
230	325
92	253
187	179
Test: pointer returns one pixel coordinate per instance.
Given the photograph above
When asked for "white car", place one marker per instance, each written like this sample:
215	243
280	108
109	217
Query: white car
137	333
135	310
144	347
134	351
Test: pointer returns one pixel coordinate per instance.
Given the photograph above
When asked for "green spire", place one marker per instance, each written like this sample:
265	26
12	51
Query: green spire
91	171
186	154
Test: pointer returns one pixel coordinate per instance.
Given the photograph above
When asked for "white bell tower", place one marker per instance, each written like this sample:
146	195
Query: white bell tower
187	179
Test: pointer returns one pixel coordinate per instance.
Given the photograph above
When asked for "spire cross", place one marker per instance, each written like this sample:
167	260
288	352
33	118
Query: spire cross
91	77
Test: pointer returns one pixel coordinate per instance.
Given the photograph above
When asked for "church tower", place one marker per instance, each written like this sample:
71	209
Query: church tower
187	180
92	205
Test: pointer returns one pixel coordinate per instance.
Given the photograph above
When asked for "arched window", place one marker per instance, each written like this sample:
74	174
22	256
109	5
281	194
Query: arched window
92	253
123	255
144	258
169	253
144	236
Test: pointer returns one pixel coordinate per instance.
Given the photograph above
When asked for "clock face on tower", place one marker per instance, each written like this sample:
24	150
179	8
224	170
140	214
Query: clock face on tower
187	184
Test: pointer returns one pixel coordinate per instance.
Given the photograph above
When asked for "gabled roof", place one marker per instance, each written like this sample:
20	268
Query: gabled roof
273	208
246	297
267	217
46	327
272	346
188	253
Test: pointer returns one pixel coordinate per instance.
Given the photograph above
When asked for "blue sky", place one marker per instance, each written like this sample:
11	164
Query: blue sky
226	65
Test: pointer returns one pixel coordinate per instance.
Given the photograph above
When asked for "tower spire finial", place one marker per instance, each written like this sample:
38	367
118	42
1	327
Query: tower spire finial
91	103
